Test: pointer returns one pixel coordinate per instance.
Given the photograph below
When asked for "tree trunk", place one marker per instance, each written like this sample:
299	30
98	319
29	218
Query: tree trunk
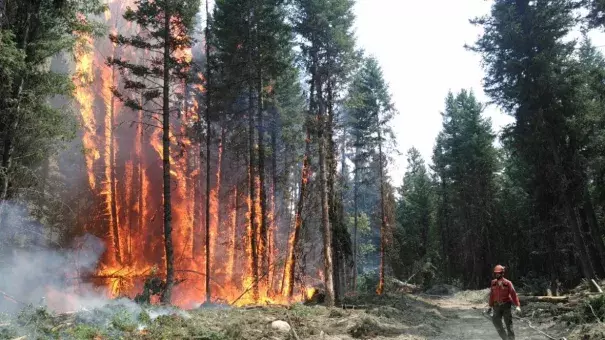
275	220
581	249
444	230
290	266
232	235
253	232
166	297
325	208
355	219
252	197
208	140
343	188
264	230
383	221
141	174
590	244
595	230
112	194
336	224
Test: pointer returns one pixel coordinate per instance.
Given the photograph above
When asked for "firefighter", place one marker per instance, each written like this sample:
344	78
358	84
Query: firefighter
502	297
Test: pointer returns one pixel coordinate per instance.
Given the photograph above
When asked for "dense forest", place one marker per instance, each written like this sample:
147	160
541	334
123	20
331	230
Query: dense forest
243	147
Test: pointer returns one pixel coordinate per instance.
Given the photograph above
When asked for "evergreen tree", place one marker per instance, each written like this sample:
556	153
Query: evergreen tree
165	26
466	164
413	236
31	33
533	75
371	111
252	53
327	47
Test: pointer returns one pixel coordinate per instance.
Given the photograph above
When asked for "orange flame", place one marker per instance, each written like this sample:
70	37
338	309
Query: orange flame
84	77
128	189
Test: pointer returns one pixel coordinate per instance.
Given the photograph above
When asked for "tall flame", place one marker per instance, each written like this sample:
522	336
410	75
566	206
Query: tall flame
123	161
84	77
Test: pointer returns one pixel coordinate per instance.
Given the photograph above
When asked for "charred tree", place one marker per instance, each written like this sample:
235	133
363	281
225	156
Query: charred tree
290	266
159	18
166	297
208	142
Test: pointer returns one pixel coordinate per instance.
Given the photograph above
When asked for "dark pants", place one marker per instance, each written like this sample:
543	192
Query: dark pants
504	312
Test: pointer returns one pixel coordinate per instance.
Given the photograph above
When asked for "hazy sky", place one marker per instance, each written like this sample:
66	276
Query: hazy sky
420	46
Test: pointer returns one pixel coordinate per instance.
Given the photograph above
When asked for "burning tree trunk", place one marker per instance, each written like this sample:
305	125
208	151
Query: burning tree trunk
141	174
208	103
215	202
166	161
110	168
253	228
232	234
290	266
264	231
274	219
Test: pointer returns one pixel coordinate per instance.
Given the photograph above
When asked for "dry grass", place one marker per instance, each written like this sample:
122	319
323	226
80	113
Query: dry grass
393	317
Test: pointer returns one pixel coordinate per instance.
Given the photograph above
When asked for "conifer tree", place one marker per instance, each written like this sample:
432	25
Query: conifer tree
371	111
31	33
413	234
533	75
465	160
165	31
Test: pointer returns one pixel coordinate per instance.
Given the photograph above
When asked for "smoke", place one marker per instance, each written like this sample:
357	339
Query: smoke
33	270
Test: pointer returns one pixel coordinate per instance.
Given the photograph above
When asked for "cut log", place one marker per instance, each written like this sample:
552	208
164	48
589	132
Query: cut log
594	287
405	287
549	299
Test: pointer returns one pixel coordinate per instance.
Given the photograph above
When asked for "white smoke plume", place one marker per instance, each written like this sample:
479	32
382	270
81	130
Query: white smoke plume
34	271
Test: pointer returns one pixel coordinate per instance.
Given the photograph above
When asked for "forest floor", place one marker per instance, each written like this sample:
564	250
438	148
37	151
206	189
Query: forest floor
468	322
395	316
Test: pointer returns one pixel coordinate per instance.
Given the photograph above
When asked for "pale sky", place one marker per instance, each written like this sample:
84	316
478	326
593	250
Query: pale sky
420	47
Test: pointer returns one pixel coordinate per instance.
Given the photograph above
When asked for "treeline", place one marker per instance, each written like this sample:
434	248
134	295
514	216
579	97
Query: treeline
535	203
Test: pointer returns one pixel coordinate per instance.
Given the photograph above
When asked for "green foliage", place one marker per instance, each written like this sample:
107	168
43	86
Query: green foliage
370	111
553	89
366	247
414	242
593	310
33	122
146	79
466	163
144	317
86	332
123	321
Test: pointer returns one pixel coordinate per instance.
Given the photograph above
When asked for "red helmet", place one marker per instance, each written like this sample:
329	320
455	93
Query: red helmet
499	269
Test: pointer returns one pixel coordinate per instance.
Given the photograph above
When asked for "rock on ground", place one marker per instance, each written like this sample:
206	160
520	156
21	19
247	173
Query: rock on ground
281	326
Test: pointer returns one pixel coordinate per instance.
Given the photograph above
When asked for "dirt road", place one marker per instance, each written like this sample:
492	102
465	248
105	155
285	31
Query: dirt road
468	323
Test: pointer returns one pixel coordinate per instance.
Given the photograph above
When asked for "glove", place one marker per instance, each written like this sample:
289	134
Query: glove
518	309
488	311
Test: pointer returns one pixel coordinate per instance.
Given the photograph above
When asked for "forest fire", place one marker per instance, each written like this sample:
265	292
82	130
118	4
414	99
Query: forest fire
123	156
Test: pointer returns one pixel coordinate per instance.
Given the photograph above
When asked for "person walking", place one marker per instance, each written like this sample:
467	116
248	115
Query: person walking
501	300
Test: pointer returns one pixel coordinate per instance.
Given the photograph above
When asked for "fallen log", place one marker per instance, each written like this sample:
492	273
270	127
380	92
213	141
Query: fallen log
549	299
594	287
405	287
345	306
